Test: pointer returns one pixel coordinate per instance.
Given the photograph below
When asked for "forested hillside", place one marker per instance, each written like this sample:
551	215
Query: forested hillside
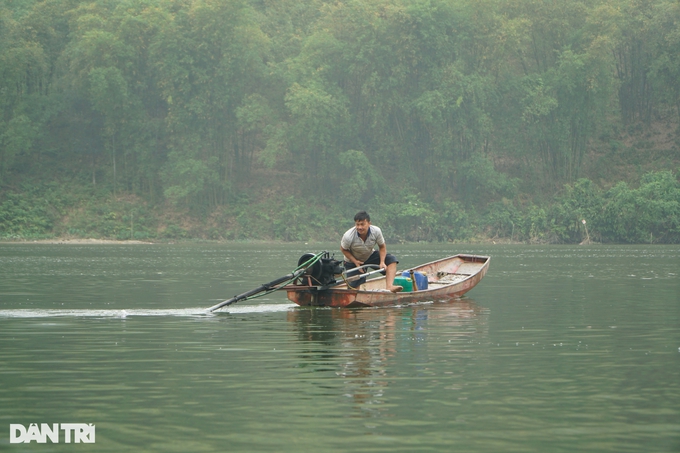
448	120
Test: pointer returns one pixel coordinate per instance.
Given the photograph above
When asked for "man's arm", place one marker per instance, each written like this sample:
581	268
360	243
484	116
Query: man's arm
382	251
350	257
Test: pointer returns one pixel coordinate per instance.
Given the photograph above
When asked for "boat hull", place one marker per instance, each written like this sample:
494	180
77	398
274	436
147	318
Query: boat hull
448	278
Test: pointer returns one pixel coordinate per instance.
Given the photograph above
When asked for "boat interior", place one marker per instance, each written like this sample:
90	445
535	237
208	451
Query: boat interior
439	274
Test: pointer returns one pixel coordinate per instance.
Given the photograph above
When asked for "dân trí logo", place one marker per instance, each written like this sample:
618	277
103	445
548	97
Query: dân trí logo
73	433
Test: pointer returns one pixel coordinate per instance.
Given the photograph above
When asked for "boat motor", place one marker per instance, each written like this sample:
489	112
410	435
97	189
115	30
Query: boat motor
322	272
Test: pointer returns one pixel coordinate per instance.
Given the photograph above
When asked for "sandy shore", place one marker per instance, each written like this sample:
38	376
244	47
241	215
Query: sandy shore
74	241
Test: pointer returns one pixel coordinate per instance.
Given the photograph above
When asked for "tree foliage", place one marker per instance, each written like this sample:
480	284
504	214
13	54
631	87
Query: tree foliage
453	118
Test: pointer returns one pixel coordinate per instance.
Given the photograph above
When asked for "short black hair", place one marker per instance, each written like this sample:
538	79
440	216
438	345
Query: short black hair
362	215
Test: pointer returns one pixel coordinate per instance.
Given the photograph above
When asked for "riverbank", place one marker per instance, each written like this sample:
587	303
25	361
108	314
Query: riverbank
73	241
92	241
647	213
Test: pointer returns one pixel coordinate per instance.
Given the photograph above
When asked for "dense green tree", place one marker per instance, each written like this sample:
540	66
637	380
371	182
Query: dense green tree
433	113
209	59
23	77
664	70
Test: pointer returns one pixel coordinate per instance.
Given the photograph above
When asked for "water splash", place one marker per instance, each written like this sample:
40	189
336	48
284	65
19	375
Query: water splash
131	312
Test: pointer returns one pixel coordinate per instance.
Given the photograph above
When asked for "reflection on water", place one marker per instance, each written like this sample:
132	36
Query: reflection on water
364	346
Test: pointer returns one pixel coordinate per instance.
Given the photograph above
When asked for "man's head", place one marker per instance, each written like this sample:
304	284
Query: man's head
362	215
362	221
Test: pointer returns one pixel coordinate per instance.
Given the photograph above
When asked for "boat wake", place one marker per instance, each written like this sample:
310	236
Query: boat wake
132	312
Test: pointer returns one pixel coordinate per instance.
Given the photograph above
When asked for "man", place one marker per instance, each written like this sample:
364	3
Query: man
358	244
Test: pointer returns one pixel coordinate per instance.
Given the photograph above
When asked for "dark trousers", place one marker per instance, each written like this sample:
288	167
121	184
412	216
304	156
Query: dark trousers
373	259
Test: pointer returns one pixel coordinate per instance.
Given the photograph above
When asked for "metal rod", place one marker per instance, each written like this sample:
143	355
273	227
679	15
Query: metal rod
301	269
351	279
265	287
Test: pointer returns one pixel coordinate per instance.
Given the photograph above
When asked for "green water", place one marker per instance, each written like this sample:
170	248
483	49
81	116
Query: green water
559	349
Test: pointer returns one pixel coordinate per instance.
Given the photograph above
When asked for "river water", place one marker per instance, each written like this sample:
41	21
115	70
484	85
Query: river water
558	349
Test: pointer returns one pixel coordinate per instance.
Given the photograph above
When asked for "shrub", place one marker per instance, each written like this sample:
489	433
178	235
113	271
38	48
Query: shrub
578	202
650	213
24	217
500	219
173	231
454	223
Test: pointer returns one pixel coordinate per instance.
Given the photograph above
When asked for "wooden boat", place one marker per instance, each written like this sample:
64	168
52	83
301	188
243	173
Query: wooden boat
447	278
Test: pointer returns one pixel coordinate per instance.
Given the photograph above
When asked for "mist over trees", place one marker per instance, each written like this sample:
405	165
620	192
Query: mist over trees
278	119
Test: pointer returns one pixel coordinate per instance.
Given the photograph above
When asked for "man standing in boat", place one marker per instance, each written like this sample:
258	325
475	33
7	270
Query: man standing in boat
358	244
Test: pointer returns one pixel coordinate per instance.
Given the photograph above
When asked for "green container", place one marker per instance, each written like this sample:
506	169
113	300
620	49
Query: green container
404	282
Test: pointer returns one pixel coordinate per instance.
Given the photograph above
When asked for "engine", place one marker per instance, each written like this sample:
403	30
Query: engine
322	272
